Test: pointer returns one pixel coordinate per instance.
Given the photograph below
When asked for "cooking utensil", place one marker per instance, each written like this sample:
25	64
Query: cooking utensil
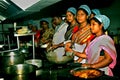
53	58
11	57
20	72
86	73
36	62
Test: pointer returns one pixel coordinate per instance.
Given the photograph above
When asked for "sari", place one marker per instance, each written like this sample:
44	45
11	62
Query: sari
80	39
103	42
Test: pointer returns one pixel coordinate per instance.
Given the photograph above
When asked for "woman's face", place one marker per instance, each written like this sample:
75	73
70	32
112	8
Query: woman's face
81	16
44	25
69	17
95	27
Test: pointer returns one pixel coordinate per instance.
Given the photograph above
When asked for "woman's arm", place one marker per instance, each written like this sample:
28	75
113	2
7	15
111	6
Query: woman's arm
103	63
81	55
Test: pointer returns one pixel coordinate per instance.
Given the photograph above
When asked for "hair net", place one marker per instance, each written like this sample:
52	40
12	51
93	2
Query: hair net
72	10
103	19
86	8
30	22
44	19
96	11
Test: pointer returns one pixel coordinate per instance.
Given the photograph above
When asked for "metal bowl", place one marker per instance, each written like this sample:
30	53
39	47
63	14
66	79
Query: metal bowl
53	58
36	62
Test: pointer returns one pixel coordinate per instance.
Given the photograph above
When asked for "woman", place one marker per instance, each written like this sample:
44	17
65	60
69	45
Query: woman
94	12
82	36
47	33
102	42
71	20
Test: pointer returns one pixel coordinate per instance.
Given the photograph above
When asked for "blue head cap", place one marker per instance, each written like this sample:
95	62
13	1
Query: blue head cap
96	11
103	19
86	8
30	22
72	10
44	19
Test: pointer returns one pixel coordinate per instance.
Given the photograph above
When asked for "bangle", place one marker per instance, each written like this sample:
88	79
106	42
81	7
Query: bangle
66	41
90	66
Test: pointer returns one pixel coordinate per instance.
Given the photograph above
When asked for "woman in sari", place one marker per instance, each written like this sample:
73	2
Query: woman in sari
101	42
80	38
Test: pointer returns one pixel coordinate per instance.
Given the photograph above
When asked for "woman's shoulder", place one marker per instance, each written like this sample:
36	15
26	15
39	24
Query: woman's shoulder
105	38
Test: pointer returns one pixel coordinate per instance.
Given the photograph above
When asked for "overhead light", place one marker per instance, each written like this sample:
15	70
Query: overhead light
2	18
24	4
6	2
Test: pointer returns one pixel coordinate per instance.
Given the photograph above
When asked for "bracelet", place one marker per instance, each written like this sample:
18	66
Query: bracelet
90	66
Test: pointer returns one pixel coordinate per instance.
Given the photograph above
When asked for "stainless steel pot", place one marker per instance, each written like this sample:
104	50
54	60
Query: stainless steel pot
11	57
53	58
36	62
20	72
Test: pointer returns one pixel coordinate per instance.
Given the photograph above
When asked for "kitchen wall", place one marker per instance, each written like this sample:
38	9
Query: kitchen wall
112	11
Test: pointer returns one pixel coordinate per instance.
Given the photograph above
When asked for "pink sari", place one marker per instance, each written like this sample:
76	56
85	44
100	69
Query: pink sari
103	42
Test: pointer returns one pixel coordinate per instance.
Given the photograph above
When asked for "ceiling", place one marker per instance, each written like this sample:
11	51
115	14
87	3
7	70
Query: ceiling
11	11
44	8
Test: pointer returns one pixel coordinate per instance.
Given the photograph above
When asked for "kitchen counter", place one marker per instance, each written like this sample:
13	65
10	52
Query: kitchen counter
58	72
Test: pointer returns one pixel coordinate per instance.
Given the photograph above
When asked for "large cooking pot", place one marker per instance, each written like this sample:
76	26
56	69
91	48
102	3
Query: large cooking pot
37	63
86	73
20	72
11	57
54	58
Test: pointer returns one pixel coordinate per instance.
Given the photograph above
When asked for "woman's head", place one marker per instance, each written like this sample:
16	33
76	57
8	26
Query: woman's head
99	23
94	12
71	14
83	13
44	23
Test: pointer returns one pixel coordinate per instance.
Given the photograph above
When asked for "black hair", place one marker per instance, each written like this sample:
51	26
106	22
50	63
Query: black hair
43	21
71	12
96	20
93	13
83	10
57	15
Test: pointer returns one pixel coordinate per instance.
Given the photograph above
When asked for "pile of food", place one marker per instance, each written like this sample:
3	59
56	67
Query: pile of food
23	30
86	73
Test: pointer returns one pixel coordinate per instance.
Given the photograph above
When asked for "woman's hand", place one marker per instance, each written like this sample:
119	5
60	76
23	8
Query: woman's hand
87	65
68	47
55	46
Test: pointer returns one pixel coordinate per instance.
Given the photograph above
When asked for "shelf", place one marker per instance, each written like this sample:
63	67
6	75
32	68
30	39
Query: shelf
24	34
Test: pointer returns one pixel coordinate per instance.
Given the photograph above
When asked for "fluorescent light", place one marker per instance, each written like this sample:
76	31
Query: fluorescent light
6	2
24	4
2	18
